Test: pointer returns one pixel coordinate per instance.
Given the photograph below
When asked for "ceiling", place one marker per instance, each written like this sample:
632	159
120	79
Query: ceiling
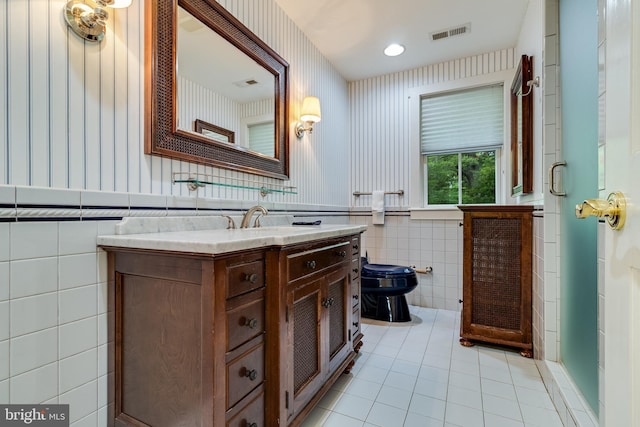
353	33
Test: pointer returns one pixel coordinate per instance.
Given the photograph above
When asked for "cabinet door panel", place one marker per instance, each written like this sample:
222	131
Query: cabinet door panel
339	313
307	350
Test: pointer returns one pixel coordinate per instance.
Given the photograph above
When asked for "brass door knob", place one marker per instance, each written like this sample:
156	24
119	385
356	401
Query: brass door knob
614	209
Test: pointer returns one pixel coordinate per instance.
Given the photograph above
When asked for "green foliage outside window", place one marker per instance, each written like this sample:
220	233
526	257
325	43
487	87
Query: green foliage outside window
474	171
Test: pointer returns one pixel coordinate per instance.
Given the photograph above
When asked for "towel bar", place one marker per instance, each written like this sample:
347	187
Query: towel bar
360	193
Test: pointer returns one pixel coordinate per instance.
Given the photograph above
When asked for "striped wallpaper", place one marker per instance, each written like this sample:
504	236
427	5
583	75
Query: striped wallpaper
73	112
380	146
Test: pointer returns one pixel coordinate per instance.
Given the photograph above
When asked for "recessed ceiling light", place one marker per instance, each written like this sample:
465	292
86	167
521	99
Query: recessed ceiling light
394	49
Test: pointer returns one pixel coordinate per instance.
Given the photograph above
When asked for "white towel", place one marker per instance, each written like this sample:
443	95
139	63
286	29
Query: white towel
377	207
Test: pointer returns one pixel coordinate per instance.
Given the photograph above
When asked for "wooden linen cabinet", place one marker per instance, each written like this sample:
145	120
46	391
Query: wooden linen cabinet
497	275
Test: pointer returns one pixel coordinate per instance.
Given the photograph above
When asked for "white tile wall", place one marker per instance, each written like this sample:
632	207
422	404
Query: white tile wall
82	400
77	303
79	336
78	369
4	242
420	243
33	276
33	351
74	237
33	240
77	270
4	319
37	385
4	364
33	313
4	281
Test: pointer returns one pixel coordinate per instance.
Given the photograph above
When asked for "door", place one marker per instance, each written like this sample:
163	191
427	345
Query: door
306	369
579	259
337	322
622	248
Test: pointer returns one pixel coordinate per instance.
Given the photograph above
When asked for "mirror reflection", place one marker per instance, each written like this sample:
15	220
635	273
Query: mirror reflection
220	86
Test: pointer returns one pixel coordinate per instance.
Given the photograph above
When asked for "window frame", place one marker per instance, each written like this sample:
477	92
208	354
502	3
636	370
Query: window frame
417	192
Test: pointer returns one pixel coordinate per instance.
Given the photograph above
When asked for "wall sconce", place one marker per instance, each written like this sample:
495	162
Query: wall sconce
309	115
87	22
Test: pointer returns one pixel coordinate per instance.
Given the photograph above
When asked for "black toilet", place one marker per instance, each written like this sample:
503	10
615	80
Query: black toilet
383	291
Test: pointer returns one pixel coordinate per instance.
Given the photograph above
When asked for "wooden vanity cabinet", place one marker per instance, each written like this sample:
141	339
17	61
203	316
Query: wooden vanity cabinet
189	339
251	338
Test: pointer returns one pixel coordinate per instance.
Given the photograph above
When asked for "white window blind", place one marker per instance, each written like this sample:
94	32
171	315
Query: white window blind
262	138
469	120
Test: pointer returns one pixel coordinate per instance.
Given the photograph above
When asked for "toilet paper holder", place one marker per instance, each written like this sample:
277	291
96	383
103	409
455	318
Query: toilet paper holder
425	270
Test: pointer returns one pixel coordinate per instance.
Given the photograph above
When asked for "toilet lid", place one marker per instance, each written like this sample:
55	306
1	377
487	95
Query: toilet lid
385	270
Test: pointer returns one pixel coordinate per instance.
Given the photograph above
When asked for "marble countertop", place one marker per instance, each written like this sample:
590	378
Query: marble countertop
217	241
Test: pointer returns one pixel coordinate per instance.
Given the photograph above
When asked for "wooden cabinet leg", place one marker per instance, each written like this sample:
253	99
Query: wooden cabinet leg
527	353
347	370
466	343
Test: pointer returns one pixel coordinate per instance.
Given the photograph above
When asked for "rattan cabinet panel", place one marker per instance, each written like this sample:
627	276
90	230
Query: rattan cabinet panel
497	276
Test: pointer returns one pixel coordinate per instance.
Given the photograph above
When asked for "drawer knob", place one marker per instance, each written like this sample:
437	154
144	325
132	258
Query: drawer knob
342	254
311	264
327	302
252	374
252	278
356	247
356	296
355	270
251	323
355	324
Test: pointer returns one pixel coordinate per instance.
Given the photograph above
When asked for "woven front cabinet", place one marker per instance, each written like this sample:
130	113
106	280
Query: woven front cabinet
496	288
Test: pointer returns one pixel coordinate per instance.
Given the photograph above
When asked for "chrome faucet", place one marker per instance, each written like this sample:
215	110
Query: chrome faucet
247	216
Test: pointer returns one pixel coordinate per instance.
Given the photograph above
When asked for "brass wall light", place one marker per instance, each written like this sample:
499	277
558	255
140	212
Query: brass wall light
309	115
89	22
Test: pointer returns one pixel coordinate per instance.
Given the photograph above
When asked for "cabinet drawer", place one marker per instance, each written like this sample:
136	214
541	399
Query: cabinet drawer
251	415
301	264
245	277
355	268
355	247
244	374
355	294
245	322
355	322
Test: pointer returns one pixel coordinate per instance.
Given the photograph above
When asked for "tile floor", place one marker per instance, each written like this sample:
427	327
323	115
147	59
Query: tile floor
418	375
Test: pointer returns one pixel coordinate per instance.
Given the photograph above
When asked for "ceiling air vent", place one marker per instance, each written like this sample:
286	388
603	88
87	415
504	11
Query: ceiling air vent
455	31
245	83
440	35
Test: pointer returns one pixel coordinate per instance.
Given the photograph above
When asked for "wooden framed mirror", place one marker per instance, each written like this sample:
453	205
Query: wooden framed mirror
169	127
522	128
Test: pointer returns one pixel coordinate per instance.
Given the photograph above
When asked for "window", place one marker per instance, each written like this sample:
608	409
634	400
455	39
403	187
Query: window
261	137
461	135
